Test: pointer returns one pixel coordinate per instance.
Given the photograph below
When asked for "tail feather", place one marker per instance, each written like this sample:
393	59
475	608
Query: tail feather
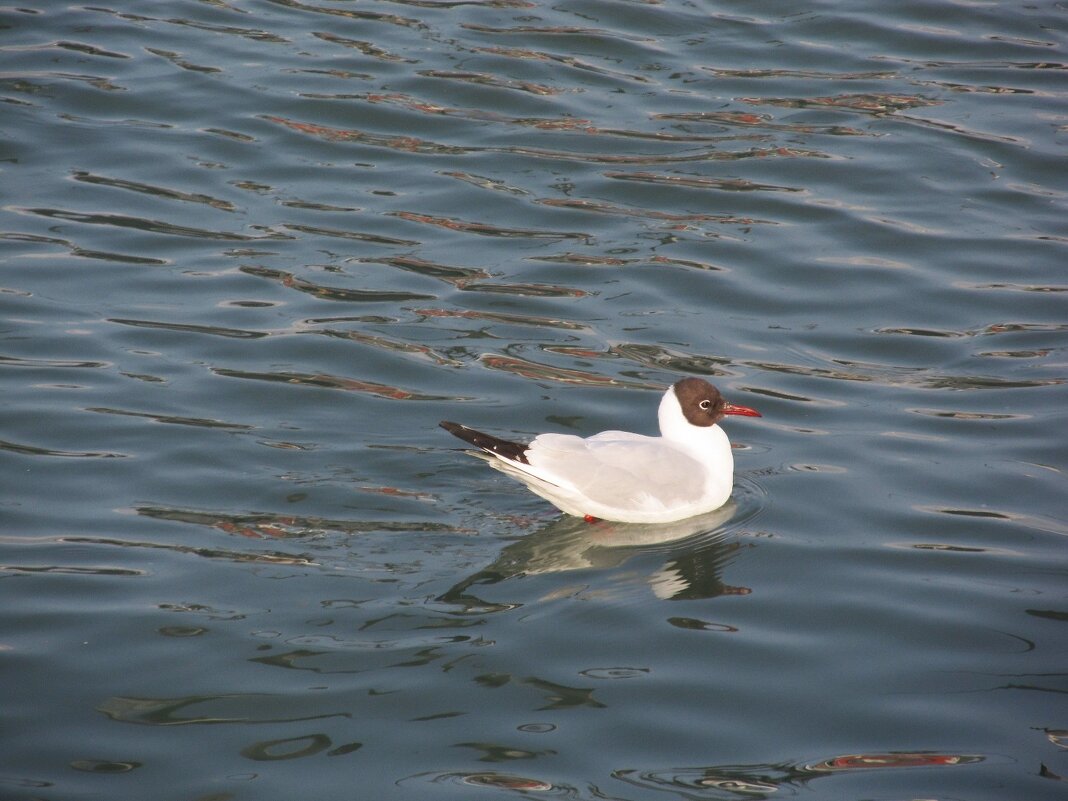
513	451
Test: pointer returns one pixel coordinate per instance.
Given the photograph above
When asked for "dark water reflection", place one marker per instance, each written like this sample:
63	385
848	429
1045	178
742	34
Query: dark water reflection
251	251
762	781
725	782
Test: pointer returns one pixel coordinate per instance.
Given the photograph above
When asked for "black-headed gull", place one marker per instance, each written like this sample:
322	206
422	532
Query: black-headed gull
630	478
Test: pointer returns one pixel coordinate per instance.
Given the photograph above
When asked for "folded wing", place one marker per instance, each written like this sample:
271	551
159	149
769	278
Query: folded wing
618	469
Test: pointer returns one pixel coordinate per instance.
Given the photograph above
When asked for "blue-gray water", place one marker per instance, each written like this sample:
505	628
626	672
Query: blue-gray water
253	250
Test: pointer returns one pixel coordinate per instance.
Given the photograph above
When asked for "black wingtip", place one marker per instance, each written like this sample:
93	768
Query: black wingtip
490	444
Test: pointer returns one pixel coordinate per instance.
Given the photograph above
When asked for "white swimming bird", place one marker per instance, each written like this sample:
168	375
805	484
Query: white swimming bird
631	478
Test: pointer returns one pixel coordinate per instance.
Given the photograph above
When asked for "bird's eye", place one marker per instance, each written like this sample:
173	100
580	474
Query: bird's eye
705	404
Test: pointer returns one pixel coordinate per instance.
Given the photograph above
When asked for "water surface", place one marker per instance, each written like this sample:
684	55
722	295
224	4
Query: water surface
251	251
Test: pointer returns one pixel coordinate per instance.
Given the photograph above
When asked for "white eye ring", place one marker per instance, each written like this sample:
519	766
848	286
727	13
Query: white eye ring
705	404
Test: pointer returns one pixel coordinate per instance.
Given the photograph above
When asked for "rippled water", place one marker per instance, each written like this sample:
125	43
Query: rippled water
253	250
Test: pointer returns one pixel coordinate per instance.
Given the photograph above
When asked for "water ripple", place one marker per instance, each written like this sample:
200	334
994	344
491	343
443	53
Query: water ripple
15	361
157	191
234	234
344	295
198	422
326	381
212	330
749	781
354	14
485	229
359	236
149	225
34	450
81	252
877	104
544	372
699	182
501	317
558	30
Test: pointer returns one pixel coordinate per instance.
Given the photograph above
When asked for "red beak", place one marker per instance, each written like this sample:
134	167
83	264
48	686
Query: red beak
744	411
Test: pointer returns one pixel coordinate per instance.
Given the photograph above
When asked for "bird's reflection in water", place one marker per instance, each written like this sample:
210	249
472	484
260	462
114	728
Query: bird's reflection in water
690	570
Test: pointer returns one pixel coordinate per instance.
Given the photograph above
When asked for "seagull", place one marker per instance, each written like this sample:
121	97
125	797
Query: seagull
630	478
